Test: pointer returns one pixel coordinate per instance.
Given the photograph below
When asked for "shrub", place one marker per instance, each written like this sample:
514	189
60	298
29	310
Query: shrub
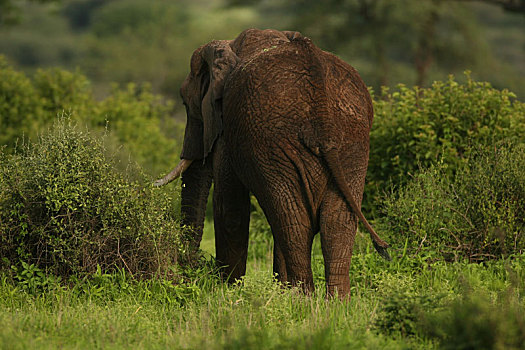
60	90
478	215
139	120
65	209
417	127
402	306
401	313
477	322
20	111
29	105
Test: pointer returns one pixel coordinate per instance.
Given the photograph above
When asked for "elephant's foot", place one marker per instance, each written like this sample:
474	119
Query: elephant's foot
294	266
338	285
231	273
300	274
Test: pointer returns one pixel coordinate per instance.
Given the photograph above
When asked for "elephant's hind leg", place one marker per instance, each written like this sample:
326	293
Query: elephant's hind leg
338	225
293	236
296	247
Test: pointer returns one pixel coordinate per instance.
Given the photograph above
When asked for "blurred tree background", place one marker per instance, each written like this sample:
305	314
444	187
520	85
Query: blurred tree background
116	66
115	40
119	64
412	41
389	42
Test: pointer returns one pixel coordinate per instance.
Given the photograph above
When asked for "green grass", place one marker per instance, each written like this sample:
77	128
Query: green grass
391	307
208	238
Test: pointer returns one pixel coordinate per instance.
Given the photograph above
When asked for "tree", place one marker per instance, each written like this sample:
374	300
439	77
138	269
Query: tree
10	11
508	5
418	34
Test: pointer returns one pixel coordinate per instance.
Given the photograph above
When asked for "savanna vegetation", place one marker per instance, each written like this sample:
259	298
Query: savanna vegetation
389	42
92	256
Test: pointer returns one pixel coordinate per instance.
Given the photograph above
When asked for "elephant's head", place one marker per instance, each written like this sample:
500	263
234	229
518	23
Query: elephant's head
201	93
203	89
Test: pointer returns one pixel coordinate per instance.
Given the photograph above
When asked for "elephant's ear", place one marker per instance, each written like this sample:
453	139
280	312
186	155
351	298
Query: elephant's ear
220	60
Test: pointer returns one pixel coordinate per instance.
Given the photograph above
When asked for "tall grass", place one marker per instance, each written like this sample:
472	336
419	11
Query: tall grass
406	304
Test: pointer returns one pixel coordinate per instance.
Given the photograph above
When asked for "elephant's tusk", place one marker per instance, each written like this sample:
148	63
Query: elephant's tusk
175	173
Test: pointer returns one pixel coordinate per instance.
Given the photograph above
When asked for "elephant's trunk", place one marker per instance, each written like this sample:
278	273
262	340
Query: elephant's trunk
196	183
175	173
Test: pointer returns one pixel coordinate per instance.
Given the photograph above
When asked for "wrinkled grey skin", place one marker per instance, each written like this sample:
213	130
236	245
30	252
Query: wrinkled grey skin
272	114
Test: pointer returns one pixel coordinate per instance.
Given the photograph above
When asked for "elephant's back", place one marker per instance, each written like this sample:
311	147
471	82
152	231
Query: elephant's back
289	87
270	90
268	99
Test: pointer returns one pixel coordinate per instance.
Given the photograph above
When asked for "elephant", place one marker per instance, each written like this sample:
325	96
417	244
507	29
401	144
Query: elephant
269	113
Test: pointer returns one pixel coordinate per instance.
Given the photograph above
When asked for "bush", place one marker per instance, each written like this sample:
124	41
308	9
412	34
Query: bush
29	105
59	90
401	312
415	128
139	120
477	322
65	209
20	111
478	215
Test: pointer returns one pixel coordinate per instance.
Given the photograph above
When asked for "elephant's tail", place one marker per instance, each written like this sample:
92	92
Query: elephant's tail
332	158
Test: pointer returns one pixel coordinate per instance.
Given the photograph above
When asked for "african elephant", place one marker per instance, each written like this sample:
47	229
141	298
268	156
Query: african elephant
272	114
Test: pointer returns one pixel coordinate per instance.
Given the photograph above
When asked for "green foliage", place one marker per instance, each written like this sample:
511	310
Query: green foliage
120	312
141	121
475	322
20	111
79	13
401	313
10	13
101	286
33	280
59	90
415	128
115	18
479	214
65	209
144	41
136	118
402	307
